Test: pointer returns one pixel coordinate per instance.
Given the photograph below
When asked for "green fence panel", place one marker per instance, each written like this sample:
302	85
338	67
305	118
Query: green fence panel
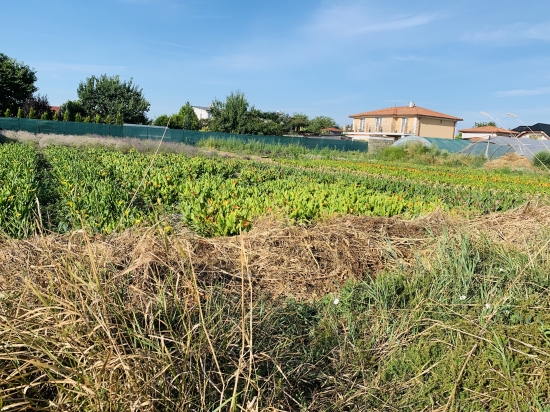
191	137
9	123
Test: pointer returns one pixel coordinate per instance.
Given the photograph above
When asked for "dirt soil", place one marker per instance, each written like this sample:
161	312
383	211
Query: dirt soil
282	260
511	160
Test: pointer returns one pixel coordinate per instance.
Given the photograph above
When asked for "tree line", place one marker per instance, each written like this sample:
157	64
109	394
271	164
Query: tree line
108	99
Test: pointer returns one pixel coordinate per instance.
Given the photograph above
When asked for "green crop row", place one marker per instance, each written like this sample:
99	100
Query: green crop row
477	178
18	189
106	190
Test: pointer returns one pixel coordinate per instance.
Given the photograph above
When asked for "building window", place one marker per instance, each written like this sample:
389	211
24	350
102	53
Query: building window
378	124
404	124
361	125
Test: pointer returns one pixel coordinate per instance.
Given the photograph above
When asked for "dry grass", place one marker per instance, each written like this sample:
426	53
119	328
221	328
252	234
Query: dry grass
513	161
148	321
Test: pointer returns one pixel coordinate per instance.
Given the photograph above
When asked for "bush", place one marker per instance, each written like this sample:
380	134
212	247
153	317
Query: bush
55	116
44	116
66	116
19	113
8	112
542	159
78	117
87	119
32	113
97	119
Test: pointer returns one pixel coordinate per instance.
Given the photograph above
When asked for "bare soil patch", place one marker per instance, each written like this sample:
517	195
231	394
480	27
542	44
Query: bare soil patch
282	260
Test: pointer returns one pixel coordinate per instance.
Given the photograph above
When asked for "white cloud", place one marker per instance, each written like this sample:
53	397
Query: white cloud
328	31
513	34
523	92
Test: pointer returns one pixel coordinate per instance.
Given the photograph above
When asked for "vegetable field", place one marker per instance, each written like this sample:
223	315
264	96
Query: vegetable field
63	189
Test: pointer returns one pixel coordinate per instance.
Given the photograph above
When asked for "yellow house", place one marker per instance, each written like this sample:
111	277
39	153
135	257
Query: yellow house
395	122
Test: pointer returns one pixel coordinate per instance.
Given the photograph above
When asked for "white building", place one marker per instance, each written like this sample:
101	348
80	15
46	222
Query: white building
202	112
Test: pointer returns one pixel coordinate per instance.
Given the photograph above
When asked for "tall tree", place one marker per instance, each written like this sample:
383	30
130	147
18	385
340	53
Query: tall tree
319	123
39	103
229	116
16	83
109	96
70	109
189	119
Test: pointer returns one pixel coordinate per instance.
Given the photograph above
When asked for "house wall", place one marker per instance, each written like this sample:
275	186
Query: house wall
429	127
201	113
389	125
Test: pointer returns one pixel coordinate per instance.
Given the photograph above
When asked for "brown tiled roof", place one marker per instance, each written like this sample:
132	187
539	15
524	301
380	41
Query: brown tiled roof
54	108
487	129
333	129
408	111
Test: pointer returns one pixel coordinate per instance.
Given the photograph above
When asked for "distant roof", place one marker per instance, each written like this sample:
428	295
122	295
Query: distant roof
54	108
400	111
538	127
333	129
201	107
488	129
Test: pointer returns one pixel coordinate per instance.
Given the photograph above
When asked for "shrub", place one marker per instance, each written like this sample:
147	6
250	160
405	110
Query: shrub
66	116
542	159
8	112
108	119
78	117
55	116
97	119
119	121
44	116
87	119
32	113
19	113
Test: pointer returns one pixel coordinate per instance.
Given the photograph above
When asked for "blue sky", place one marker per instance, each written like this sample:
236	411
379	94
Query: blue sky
319	57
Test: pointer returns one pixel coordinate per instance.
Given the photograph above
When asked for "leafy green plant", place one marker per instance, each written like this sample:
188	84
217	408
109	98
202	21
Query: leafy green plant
78	117
119	121
66	116
44	116
87	119
19	113
97	119
542	159
32	113
55	116
7	113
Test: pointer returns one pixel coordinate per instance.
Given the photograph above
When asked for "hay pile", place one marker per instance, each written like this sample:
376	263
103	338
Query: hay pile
289	261
511	160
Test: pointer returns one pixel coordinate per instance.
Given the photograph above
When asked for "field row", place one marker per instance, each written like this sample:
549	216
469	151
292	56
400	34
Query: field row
105	190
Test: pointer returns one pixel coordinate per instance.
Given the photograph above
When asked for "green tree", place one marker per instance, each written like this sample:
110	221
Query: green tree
299	121
78	117
119	121
32	113
189	119
87	119
229	116
162	120
7	113
319	123
19	113
109	96
44	116
55	116
66	116
484	124
97	119
72	107
108	119
16	83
